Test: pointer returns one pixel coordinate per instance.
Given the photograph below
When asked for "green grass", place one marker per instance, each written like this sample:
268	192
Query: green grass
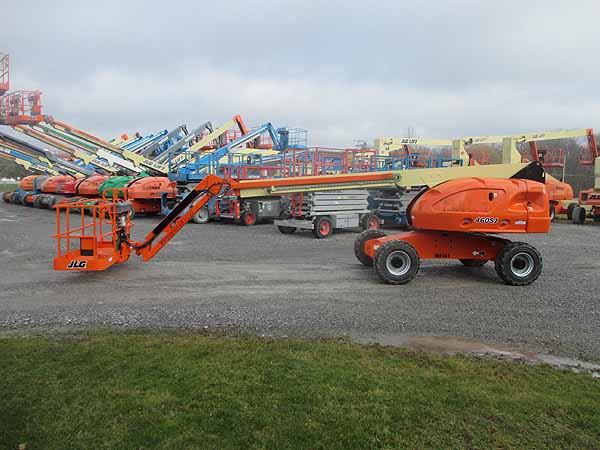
186	391
5	187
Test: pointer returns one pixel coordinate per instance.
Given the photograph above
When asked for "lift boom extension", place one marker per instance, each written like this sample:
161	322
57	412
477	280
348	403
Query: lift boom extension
85	155
209	187
110	151
105	240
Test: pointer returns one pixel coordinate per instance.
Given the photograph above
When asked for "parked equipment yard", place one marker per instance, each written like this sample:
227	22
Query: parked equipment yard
257	280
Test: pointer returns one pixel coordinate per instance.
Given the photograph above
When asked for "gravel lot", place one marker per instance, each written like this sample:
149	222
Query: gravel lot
254	279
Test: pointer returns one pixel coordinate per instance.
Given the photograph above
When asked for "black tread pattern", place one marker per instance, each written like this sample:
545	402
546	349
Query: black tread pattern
359	245
364	220
37	201
579	214
570	209
243	218
381	256
502	264
317	233
286	230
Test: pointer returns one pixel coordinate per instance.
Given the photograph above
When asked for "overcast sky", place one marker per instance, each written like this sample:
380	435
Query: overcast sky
342	69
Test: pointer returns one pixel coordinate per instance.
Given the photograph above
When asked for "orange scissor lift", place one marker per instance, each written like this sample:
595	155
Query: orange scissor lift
456	219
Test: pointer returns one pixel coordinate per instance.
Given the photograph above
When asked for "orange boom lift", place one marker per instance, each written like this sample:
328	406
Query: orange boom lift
457	220
454	219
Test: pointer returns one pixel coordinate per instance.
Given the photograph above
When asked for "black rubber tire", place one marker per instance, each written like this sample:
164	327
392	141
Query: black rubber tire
552	212
505	266
570	209
6	197
366	218
284	215
319	231
390	250
32	197
474	262
14	198
248	218
131	212
52	201
359	245
201	216
286	230
579	214
37	201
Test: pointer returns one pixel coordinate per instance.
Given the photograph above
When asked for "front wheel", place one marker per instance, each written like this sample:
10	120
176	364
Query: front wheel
52	201
552	212
131	212
201	215
396	262
248	218
579	215
286	230
518	264
570	209
359	245
323	227
369	222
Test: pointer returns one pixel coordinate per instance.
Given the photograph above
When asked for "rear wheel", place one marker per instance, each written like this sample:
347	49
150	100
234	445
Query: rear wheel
518	264
473	262
359	245
131	212
37	201
396	262
201	215
248	218
284	215
579	215
552	212
323	227
286	230
369	222
570	209
29	199
14	198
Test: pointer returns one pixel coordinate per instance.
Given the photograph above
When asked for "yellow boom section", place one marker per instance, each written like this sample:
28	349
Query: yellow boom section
401	178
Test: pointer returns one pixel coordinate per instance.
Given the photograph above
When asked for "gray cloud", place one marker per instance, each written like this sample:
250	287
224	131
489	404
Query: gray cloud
341	69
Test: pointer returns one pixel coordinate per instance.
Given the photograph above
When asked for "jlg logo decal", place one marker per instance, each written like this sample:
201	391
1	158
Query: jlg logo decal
409	141
486	219
77	264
